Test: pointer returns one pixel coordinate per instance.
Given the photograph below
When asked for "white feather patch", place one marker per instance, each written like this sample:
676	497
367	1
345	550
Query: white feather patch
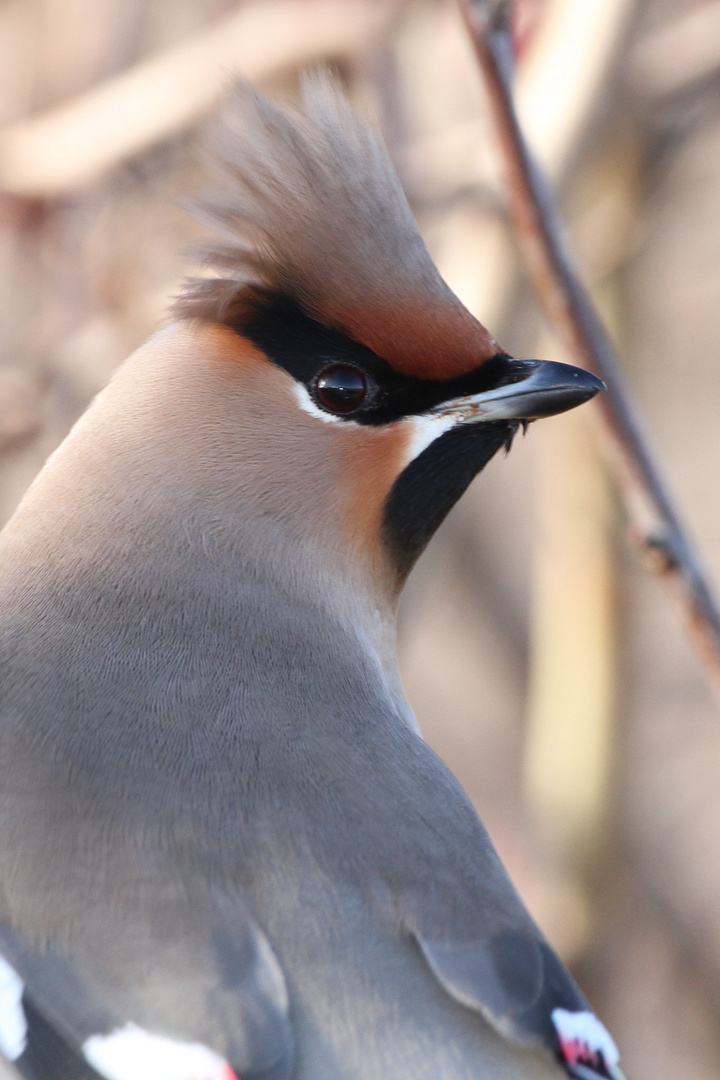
582	1037
426	428
130	1053
13	1024
307	404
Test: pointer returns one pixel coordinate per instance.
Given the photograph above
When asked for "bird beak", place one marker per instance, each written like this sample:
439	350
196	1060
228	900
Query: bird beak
527	390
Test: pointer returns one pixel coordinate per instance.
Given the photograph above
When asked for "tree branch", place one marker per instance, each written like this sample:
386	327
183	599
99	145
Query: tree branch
655	526
74	143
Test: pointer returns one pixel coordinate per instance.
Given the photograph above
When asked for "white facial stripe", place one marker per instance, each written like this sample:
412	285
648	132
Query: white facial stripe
426	428
13	1024
307	404
579	1030
130	1053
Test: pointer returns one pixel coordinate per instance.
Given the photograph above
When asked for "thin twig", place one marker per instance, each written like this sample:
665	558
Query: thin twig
655	526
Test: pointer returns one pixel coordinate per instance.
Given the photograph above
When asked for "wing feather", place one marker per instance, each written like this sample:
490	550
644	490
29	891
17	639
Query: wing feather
235	1024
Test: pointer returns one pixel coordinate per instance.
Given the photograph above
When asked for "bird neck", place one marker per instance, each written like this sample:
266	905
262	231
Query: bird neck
164	488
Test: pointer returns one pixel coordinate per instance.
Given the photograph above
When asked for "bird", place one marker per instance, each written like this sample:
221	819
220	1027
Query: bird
226	851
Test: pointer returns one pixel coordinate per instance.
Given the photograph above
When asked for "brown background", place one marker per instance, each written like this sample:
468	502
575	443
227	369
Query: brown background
545	666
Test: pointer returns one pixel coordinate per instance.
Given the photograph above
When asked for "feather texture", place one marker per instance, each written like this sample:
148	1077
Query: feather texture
313	209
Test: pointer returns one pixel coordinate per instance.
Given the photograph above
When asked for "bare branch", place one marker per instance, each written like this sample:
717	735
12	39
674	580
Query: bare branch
655	526
73	143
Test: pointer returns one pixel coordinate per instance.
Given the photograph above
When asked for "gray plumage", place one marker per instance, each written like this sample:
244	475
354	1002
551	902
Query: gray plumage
218	821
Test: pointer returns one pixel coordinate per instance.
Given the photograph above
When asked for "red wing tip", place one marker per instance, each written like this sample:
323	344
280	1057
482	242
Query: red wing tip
587	1047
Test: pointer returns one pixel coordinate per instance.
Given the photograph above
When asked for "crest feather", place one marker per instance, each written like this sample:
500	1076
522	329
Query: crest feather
313	209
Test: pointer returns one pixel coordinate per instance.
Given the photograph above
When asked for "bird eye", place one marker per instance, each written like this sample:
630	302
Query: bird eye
341	389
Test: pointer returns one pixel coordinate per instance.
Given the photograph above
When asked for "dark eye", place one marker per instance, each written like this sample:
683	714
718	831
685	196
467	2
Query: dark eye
341	389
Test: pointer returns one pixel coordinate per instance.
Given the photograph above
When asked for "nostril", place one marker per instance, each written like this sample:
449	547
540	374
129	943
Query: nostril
516	371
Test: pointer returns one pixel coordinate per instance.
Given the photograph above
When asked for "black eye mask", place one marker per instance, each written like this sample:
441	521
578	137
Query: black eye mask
375	393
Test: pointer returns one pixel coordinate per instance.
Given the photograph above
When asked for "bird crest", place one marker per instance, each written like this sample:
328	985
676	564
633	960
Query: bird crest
311	209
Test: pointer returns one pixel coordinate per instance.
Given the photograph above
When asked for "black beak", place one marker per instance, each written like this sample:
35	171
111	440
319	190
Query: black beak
529	390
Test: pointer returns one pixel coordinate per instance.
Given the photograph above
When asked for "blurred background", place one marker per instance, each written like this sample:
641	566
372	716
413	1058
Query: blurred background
545	666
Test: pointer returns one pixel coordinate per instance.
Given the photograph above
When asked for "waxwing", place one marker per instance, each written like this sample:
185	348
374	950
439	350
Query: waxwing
225	850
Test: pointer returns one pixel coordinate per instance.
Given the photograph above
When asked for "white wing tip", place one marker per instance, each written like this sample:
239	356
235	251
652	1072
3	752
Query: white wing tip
13	1022
585	1041
131	1053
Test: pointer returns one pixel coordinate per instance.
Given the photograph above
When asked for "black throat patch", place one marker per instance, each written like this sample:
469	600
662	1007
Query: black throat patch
428	488
432	483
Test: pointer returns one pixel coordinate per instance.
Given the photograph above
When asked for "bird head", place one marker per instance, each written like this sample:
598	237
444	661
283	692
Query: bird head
375	392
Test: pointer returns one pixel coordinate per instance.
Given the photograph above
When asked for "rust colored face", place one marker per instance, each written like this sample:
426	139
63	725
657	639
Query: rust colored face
429	336
322	445
375	393
312	472
398	450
